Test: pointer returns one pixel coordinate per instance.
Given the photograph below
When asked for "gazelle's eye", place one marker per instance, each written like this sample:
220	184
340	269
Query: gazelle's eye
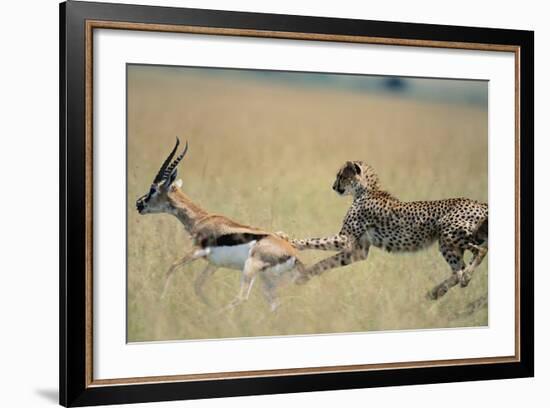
152	191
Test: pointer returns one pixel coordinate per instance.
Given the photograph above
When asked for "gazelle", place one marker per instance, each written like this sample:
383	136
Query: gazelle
219	240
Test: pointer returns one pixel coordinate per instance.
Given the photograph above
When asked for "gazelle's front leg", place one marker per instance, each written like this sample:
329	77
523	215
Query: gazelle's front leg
343	258
190	257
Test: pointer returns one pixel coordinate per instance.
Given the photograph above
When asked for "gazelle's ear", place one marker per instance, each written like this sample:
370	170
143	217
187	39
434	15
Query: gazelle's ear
178	183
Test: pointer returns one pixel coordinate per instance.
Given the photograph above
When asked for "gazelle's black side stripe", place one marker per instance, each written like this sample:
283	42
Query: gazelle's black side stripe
230	239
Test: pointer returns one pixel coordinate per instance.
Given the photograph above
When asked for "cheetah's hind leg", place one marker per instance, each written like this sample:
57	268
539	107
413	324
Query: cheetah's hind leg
455	258
478	246
479	252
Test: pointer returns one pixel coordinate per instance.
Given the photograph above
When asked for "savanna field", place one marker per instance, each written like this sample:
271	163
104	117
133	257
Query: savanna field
265	153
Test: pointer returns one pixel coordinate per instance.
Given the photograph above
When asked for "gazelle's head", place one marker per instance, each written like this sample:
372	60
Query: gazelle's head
156	200
354	177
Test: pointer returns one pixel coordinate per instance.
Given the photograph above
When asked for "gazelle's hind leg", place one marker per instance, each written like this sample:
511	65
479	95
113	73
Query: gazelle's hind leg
455	258
272	256
269	287
252	266
479	252
273	280
200	281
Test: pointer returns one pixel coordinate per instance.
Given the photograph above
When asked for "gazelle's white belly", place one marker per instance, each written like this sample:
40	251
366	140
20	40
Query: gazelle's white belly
233	256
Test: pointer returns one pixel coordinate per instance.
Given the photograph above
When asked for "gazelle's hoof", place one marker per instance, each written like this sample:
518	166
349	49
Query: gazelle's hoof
231	306
162	296
302	279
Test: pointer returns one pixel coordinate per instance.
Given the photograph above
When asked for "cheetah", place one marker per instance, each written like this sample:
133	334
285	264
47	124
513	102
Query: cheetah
379	219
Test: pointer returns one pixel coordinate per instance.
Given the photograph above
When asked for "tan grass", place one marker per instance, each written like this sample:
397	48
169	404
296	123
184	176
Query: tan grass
266	154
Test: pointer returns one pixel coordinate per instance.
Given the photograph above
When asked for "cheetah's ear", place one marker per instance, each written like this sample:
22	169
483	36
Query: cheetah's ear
353	166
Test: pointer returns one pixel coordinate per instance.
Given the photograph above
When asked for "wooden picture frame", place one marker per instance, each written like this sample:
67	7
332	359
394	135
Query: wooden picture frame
78	20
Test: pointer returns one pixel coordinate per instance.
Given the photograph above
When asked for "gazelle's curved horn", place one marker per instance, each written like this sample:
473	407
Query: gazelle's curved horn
172	166
160	174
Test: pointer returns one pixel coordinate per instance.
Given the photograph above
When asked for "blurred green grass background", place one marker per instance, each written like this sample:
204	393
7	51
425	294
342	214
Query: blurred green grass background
265	153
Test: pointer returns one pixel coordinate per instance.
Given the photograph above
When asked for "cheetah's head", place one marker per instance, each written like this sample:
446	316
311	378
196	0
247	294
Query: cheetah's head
354	177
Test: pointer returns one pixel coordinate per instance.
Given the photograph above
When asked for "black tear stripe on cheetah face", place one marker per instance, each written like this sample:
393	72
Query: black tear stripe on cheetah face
379	219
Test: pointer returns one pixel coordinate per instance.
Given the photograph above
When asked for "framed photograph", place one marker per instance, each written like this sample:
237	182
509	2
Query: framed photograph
256	203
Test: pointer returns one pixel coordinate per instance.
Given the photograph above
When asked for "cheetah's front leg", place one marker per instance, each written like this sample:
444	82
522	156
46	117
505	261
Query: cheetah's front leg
334	243
343	258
